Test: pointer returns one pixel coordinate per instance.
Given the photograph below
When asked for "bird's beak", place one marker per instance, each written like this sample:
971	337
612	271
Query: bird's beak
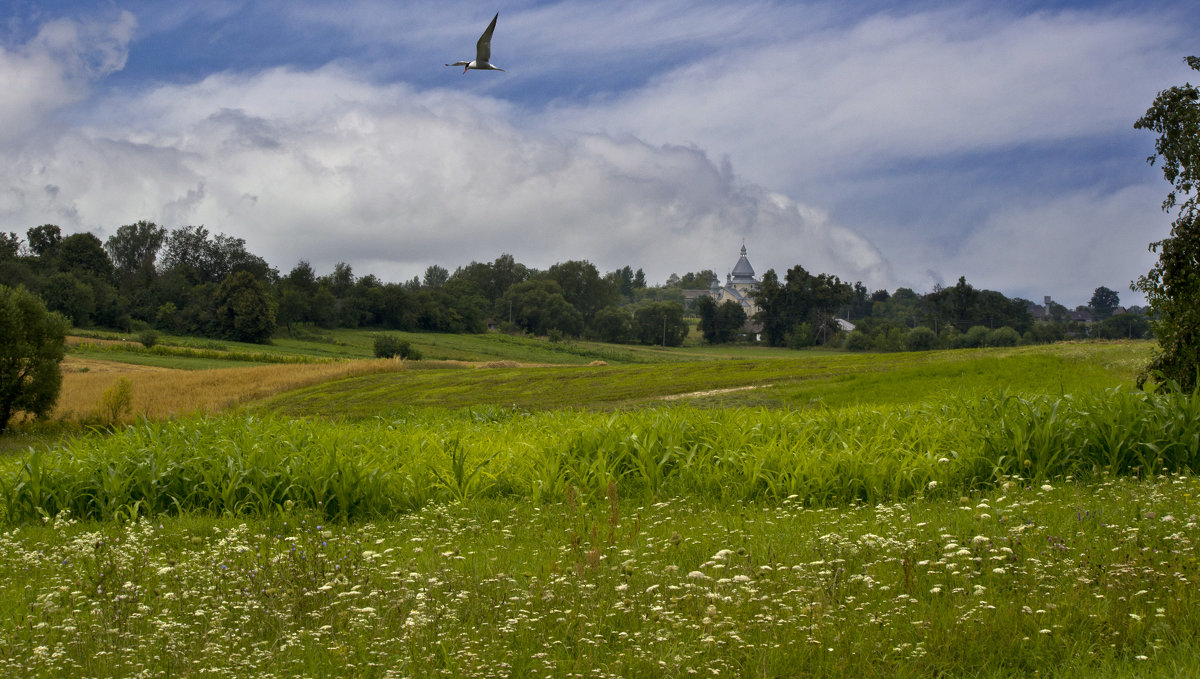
465	69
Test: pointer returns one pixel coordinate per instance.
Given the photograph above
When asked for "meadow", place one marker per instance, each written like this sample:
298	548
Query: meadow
987	513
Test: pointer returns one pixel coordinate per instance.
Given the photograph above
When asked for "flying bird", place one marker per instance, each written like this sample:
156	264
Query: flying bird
483	51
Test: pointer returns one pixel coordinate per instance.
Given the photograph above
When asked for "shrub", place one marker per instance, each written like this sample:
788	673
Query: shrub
390	346
973	338
920	338
116	402
858	340
148	337
1003	337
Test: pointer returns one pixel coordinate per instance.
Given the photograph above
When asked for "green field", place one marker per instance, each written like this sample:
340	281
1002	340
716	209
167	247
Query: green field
680	512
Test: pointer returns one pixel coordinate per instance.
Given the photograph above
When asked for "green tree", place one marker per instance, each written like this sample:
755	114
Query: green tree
1104	302
1122	326
32	344
134	247
538	306
84	253
660	323
801	298
1172	287
720	323
584	288
435	276
244	311
71	297
44	240
10	245
612	324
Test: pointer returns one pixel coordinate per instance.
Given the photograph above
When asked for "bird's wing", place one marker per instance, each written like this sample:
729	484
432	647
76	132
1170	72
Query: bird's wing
459	63
483	48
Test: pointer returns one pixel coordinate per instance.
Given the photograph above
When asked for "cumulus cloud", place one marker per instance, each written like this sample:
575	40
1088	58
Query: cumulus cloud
323	166
56	68
859	97
655	135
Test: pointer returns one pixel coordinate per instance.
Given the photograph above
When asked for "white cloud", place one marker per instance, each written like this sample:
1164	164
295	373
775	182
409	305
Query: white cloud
847	99
1080	241
56	67
806	112
325	167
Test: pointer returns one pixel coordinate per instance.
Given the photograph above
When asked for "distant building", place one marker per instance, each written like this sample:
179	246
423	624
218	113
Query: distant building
740	284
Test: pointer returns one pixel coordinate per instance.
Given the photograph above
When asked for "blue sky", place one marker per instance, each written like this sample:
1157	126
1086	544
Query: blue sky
896	143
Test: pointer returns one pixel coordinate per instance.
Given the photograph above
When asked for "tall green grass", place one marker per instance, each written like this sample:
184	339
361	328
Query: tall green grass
824	457
804	379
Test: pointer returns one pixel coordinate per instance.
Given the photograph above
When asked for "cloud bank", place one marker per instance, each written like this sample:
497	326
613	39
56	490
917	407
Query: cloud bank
897	146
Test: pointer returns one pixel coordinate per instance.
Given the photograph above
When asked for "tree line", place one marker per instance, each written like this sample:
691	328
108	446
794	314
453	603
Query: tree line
193	282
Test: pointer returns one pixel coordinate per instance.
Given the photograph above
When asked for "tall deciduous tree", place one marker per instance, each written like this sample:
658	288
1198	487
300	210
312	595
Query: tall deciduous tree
1104	302
1172	287
134	247
244	312
44	240
32	344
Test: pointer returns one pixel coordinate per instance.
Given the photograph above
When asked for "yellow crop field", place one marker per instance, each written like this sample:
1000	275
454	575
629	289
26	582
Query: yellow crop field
159	393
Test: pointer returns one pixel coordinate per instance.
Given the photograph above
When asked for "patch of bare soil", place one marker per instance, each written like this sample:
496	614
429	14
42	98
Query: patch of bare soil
712	392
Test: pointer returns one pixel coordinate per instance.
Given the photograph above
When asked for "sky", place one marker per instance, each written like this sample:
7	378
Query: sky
901	144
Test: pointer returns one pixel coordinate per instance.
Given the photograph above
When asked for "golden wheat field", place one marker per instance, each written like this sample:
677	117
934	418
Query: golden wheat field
159	393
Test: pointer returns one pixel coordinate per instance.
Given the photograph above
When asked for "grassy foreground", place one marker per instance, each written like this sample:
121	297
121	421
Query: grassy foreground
953	514
1025	580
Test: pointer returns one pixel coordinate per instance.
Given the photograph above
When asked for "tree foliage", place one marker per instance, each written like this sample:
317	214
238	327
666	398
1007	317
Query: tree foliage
801	298
245	313
1104	302
32	344
660	323
720	323
1172	287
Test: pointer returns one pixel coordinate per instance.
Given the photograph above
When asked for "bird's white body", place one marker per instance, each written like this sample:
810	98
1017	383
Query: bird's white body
483	52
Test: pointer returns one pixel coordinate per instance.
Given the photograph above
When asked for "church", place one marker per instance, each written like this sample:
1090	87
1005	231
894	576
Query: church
739	284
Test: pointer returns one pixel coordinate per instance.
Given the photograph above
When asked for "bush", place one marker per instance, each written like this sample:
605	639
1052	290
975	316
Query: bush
390	346
858	340
148	337
116	402
1003	337
920	338
973	338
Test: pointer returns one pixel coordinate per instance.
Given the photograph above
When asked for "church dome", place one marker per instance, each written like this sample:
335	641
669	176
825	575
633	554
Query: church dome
742	271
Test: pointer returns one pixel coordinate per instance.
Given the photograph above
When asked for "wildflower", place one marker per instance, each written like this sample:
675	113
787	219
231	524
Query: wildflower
931	485
697	575
1047	487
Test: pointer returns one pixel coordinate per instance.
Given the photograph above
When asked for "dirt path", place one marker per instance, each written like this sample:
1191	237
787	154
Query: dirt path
713	392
